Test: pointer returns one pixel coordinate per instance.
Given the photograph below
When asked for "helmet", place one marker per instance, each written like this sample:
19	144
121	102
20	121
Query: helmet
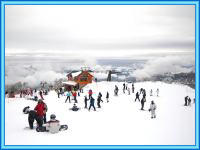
53	116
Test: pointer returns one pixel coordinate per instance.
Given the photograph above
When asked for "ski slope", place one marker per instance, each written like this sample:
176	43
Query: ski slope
119	122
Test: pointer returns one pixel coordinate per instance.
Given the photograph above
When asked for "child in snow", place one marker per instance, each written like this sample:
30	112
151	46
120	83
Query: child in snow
53	126
152	109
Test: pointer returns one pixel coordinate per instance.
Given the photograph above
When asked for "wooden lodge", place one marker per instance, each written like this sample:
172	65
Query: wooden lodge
78	80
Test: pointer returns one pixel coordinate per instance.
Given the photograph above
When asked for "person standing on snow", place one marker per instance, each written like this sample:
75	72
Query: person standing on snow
92	103
116	90
74	95
189	101
124	87
107	97
35	95
133	88
90	93
41	94
68	94
151	92
85	101
157	91
99	100
137	96
142	103
186	101
152	109
40	108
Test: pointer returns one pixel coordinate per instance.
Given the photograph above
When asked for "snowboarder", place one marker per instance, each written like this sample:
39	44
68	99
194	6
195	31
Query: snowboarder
142	103
92	103
133	88
151	92
53	126
85	101
157	91
99	100
32	116
90	93
152	109
107	97
68	94
137	96
186	101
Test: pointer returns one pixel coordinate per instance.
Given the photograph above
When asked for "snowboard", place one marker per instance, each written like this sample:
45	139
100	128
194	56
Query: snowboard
43	129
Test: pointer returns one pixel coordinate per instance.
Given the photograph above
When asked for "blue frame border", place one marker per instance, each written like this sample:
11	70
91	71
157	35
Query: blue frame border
2	66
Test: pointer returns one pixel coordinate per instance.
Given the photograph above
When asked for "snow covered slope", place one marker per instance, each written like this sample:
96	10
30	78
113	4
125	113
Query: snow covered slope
118	122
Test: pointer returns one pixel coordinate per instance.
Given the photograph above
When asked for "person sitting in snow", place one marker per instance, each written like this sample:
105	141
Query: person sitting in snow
152	109
53	126
74	108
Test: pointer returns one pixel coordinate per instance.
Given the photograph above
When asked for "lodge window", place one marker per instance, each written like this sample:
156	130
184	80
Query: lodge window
83	79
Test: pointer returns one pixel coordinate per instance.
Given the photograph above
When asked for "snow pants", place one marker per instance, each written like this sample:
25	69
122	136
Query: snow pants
68	97
153	114
93	107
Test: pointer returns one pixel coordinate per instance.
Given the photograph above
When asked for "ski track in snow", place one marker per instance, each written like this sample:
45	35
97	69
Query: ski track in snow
119	122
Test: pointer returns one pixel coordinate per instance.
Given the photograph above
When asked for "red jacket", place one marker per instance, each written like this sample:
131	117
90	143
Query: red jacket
74	94
40	108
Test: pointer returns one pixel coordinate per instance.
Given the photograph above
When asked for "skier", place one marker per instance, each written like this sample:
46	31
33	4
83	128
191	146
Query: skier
151	92
85	100
107	97
152	109
157	91
186	101
68	94
133	88
92	103
142	103
41	94
137	96
99	100
90	93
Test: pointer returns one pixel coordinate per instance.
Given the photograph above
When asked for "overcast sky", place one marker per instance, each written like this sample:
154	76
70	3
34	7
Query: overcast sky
100	30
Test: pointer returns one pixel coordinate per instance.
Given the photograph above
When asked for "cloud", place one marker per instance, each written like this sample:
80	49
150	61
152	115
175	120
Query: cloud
161	65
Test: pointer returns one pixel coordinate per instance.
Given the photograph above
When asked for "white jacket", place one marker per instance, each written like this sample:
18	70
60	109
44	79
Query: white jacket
53	126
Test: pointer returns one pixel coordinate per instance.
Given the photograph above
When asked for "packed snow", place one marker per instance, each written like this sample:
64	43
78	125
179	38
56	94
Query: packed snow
118	122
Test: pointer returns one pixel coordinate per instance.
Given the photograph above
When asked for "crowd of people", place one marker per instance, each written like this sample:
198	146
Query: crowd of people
39	112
